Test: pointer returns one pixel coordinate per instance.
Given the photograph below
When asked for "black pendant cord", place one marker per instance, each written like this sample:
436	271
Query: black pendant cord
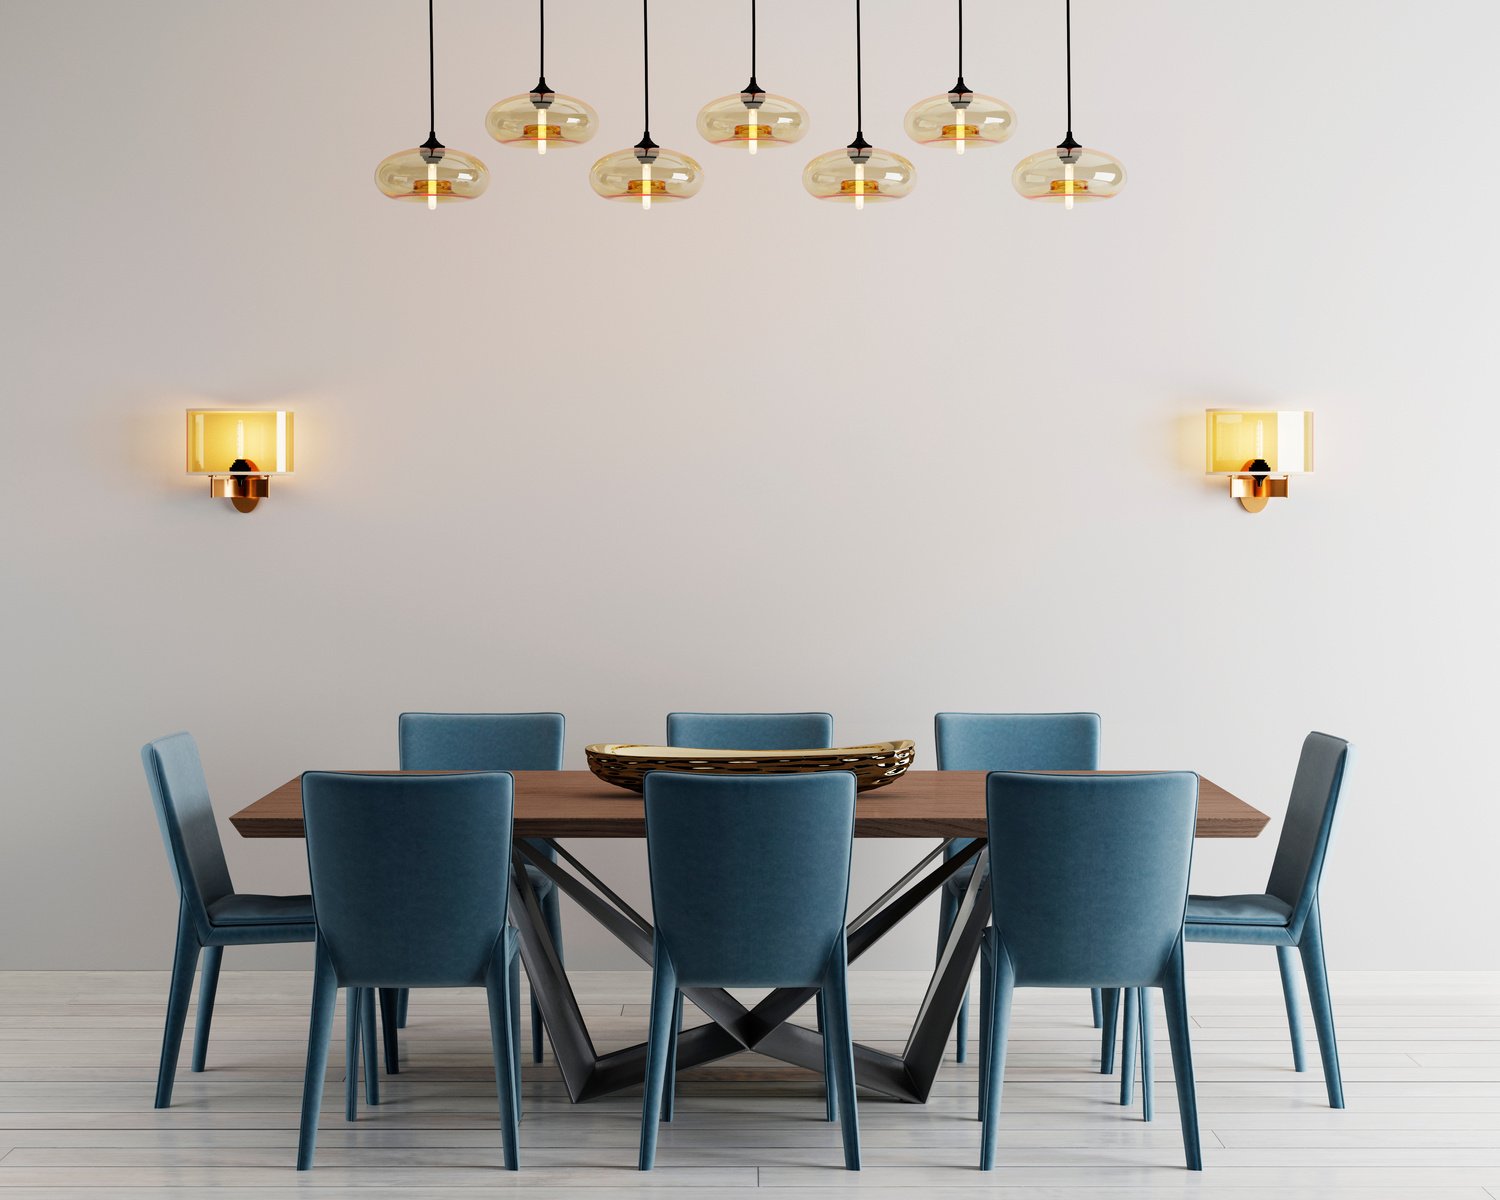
541	39
646	144
752	40
1068	36
432	143
1068	148
859	81
960	39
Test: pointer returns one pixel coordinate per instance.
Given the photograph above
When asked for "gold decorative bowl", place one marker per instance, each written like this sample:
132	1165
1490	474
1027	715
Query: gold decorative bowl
873	766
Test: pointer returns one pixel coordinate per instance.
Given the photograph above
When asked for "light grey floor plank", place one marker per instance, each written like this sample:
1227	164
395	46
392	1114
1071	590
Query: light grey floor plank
1421	1054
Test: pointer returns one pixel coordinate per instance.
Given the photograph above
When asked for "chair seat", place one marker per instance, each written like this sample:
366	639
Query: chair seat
1238	910
247	909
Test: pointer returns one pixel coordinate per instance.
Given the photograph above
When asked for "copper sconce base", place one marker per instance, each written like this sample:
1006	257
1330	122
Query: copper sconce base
1253	491
243	491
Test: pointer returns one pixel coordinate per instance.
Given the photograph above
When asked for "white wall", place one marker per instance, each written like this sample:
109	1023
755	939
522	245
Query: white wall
766	454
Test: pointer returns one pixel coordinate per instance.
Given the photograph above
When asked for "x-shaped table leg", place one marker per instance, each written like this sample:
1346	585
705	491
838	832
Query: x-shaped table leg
765	1028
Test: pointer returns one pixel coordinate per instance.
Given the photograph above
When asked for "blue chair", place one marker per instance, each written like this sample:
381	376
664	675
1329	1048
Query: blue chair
447	839
1006	742
1286	915
754	731
750	888
491	742
750	731
210	914
1089	879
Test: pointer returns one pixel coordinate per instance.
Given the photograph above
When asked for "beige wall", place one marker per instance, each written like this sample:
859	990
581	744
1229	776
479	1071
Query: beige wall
749	452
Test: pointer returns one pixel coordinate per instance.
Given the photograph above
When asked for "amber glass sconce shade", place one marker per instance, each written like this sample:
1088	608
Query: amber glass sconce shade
239	450
1258	451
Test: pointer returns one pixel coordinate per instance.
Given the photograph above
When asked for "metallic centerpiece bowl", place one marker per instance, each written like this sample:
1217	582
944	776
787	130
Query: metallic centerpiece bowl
626	766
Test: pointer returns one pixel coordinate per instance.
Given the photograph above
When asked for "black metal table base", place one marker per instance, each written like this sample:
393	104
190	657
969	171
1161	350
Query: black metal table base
766	1027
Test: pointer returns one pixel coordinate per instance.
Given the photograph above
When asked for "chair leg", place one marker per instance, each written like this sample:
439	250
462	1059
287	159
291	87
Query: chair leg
502	1001
838	1040
1316	971
208	987
354	1002
319	1032
402	996
1097	997
986	1015
390	1005
367	1007
997	1034
1285	960
1148	1059
658	1037
1111	1004
830	1093
1174	993
184	965
669	1092
515	1021
1129	1042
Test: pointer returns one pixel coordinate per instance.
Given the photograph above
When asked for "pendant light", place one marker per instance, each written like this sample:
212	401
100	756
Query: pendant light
541	117
431	172
1069	172
645	172
959	117
859	171
752	118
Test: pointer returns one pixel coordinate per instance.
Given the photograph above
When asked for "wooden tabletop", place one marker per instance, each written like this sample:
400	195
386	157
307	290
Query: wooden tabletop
920	804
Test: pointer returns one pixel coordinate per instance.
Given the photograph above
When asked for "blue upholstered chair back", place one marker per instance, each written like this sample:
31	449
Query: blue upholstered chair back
179	793
1017	741
481	741
750	731
410	874
750	874
1090	874
1298	866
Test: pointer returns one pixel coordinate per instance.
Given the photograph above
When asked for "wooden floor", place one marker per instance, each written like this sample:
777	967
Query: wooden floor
1421	1057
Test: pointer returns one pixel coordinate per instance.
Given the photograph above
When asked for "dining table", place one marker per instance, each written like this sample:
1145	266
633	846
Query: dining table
947	805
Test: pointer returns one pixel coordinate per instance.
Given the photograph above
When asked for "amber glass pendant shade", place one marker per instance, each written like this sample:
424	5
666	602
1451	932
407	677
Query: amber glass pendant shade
752	117
431	173
1068	177
531	120
658	177
1069	174
767	120
645	174
541	118
859	173
954	120
873	177
416	176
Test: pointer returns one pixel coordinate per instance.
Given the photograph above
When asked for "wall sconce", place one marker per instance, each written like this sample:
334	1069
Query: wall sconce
1258	450
239	451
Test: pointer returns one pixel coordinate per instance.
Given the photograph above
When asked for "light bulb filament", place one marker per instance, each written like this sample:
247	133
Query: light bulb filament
1067	185
541	131
432	185
645	187
239	439
960	129
753	131
859	186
